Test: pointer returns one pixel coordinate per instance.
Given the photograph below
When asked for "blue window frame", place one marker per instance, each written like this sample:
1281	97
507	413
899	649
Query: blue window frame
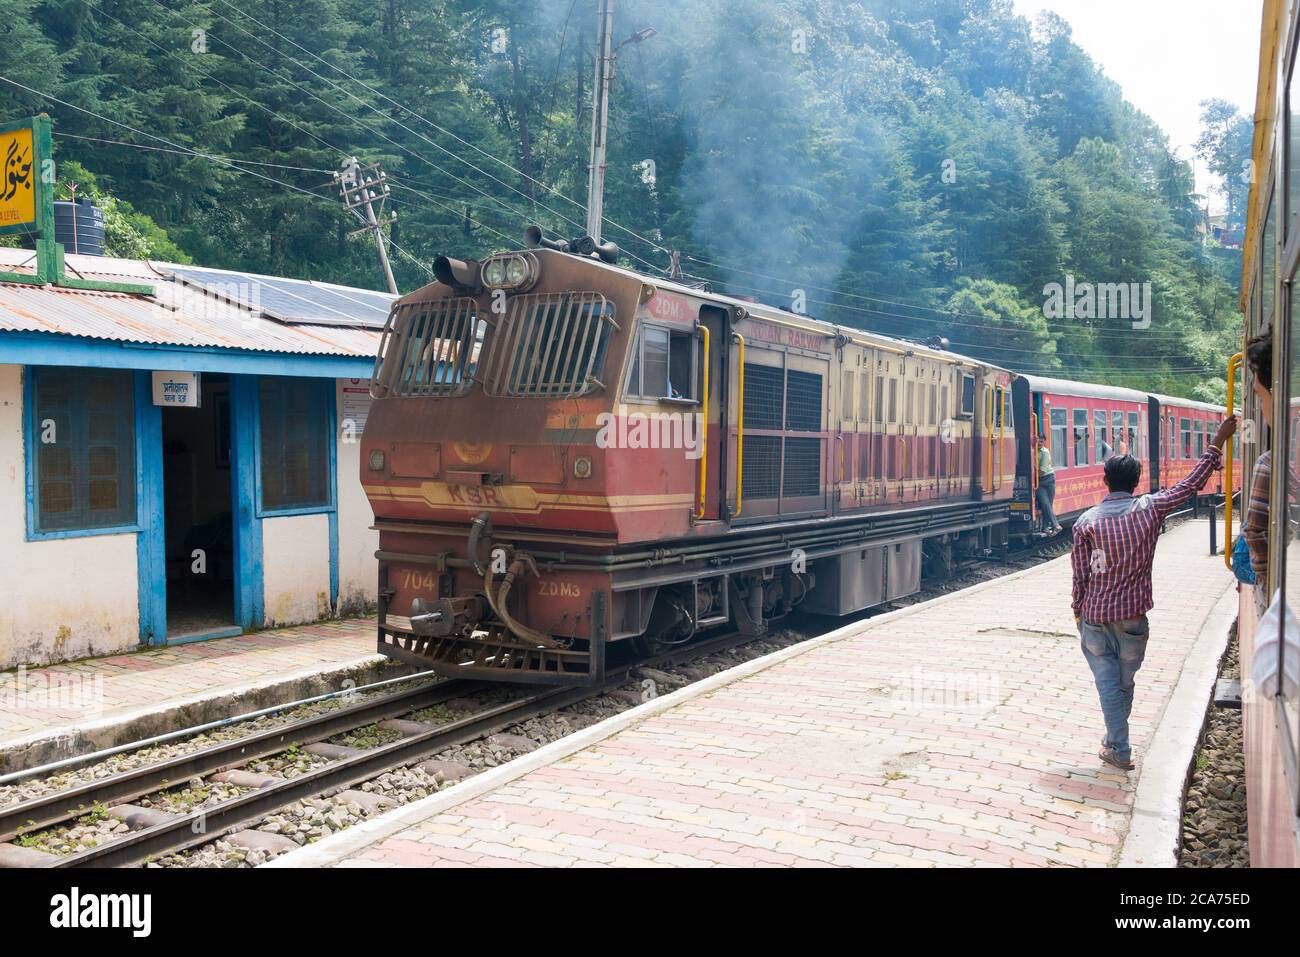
80	429
295	444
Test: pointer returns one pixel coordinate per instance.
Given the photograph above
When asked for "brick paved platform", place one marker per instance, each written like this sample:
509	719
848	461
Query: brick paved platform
60	710
962	731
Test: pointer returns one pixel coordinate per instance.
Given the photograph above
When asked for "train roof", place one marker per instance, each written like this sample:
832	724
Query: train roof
767	311
1094	390
770	313
1186	403
1087	390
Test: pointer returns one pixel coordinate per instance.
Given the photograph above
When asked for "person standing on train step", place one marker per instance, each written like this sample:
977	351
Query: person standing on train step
1047	488
1114	545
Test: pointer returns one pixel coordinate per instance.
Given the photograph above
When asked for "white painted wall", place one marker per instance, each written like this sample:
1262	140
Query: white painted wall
295	569
358	541
62	598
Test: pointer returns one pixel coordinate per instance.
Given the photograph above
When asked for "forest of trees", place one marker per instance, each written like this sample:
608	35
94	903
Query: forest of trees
917	167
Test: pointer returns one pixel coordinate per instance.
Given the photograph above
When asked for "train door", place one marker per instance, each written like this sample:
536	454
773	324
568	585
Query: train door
886	441
990	435
866	461
713	353
844	457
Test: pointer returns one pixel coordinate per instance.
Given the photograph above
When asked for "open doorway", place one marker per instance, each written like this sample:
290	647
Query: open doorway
197	513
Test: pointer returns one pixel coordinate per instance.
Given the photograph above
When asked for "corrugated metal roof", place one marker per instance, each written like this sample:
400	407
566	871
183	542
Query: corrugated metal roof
177	315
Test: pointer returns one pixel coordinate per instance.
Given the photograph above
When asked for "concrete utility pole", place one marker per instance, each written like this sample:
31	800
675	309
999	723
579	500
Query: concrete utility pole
361	187
599	119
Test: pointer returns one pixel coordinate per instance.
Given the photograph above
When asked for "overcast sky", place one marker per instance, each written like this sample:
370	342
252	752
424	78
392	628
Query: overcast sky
1169	55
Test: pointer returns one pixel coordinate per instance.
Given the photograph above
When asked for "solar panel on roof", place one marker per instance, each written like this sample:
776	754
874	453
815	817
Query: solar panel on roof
293	300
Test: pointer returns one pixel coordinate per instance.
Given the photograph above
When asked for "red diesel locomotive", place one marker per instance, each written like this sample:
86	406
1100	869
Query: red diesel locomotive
563	453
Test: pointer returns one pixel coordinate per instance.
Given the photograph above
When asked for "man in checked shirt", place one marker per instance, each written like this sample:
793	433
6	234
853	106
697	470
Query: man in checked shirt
1114	544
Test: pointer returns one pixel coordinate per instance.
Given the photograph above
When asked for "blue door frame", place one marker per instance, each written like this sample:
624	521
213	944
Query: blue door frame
246	512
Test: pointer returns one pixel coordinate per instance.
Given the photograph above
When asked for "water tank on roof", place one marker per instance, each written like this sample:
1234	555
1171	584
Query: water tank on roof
79	227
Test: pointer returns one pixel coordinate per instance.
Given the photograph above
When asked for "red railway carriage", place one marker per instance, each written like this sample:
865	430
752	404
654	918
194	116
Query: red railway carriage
1186	428
1083	424
563	453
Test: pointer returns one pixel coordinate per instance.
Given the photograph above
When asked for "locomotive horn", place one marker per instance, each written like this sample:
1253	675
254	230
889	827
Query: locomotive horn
533	238
608	252
460	274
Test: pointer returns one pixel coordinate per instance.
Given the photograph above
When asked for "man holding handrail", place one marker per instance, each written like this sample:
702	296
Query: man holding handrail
1114	546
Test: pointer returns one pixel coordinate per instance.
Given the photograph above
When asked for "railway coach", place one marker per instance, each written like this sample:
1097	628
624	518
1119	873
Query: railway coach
563	454
1085	423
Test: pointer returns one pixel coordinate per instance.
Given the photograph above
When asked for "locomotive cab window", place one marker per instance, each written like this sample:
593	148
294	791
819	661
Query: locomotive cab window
666	365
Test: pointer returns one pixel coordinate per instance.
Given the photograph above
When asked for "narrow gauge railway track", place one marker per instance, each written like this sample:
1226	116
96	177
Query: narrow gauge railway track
60	806
194	828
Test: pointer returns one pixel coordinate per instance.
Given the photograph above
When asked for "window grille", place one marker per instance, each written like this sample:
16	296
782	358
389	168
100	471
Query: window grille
427	349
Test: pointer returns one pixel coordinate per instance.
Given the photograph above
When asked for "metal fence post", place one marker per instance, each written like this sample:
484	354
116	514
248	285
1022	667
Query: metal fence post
1214	525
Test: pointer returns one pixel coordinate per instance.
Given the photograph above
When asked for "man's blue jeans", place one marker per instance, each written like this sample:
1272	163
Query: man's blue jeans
1115	651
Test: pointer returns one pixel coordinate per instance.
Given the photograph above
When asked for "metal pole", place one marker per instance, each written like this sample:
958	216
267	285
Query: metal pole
1214	525
599	120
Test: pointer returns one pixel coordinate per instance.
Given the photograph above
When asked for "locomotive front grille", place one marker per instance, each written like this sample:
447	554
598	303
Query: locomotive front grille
427	349
548	345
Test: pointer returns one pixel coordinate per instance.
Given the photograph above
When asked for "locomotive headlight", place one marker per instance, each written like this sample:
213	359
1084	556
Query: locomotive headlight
494	273
515	271
377	460
582	467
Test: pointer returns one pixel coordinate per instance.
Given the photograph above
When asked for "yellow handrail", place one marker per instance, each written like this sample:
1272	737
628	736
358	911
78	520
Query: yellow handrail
704	430
1234	363
740	423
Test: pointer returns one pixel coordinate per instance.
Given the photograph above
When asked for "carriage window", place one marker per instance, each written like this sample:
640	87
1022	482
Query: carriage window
1118	446
864	395
1200	438
910	406
1134	435
1060	439
1173	439
1101	435
878	413
893	401
1268	274
1185	434
847	394
1081	437
967	395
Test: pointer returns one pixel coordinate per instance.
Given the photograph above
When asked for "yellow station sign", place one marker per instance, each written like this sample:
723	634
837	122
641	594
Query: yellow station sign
17	178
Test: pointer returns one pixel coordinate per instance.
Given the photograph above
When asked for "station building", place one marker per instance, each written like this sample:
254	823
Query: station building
181	465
